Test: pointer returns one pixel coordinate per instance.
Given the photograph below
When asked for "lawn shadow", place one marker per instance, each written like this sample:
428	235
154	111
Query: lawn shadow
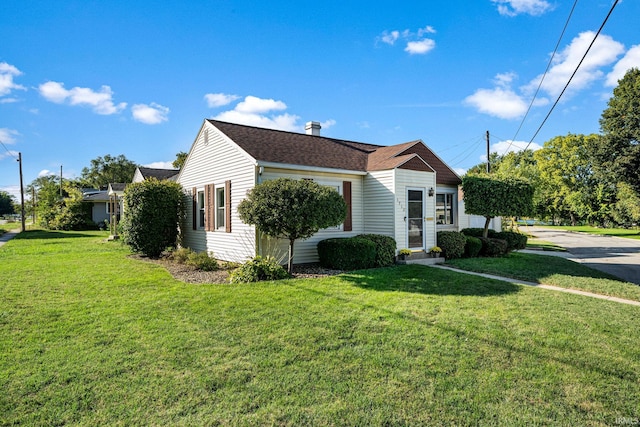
421	279
48	234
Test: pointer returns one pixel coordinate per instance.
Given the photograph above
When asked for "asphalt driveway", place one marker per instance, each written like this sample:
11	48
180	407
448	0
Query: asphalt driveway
613	255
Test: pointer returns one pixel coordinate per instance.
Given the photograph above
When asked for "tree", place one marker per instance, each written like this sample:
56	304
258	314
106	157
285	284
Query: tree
288	209
567	184
153	210
181	157
490	197
108	169
616	156
6	203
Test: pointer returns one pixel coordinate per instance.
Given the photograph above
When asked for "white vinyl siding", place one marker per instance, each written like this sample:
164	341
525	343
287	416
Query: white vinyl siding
218	161
379	203
306	250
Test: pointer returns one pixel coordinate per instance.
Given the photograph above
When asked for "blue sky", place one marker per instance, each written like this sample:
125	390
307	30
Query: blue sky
81	79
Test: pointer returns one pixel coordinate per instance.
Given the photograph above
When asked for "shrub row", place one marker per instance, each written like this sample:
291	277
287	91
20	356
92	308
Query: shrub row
470	243
359	252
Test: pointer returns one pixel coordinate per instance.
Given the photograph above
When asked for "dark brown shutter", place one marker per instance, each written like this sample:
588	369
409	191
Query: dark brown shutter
194	207
210	208
227	206
346	193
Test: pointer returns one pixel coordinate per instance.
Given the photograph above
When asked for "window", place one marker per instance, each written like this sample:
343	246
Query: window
444	209
201	209
220	205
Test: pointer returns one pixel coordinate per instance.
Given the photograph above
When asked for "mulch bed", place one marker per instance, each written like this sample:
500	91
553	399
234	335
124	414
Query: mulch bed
188	274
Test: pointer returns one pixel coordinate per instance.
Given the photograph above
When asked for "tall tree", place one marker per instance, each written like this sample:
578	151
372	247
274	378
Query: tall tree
181	157
6	203
108	169
289	209
616	156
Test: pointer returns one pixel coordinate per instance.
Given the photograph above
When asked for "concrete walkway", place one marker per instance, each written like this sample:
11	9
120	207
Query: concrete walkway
538	285
8	236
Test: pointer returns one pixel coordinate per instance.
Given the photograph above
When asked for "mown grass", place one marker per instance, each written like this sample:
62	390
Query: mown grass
629	233
544	245
551	270
91	337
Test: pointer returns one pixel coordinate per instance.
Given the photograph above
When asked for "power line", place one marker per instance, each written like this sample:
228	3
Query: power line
546	71
10	152
615	3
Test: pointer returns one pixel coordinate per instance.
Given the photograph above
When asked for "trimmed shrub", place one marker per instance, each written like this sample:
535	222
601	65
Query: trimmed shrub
181	255
472	247
477	232
385	248
493	247
452	243
514	240
258	269
350	253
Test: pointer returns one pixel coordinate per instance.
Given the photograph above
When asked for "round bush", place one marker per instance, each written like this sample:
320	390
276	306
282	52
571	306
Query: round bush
493	247
350	253
472	247
452	243
257	269
514	240
385	248
202	261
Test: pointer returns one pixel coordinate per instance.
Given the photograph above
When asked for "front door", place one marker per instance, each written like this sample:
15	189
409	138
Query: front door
415	219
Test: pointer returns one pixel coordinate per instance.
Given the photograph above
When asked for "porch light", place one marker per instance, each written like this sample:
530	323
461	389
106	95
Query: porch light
431	192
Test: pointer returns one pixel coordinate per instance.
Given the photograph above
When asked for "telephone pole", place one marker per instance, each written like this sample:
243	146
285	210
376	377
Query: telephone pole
21	192
488	164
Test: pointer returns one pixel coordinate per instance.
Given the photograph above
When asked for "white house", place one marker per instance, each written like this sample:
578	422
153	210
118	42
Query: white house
404	191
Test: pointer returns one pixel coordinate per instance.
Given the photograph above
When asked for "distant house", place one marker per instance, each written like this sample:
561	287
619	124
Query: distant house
142	173
99	200
404	191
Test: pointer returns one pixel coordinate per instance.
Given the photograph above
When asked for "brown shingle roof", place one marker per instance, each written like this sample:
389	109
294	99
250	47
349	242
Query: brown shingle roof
277	146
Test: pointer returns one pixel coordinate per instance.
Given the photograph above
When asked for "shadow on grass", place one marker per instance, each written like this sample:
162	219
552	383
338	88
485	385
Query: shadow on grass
47	234
426	280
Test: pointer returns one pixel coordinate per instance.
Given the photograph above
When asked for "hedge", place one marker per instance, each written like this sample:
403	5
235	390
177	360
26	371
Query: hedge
472	247
452	243
493	247
349	253
514	240
385	248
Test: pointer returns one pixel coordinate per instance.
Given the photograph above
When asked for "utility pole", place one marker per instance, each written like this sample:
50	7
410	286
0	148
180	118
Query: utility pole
488	164
61	181
21	192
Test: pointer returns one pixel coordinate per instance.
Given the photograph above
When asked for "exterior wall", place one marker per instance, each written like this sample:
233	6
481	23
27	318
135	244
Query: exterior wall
99	212
215	159
405	180
137	176
378	201
306	250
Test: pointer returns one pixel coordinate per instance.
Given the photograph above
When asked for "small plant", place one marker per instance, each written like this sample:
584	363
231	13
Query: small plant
404	252
181	255
258	269
202	261
435	250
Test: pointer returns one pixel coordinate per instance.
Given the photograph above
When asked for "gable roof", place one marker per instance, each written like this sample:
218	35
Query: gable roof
157	173
292	148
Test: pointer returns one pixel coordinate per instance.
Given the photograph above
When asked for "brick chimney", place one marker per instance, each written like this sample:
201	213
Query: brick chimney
312	128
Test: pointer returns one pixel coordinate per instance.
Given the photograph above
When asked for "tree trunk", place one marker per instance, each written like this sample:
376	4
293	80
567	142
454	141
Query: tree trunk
485	232
290	262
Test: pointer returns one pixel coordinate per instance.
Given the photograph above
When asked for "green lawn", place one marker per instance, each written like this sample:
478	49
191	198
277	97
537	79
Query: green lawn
551	270
91	337
633	233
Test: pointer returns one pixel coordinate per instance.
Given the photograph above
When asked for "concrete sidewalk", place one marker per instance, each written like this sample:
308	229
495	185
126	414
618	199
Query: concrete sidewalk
8	236
539	285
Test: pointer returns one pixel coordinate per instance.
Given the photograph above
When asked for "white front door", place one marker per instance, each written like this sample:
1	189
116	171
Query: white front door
415	218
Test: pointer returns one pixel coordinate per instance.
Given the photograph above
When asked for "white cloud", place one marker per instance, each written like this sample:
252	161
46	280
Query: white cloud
7	74
9	153
509	146
499	102
416	43
45	172
255	105
7	135
13	190
604	51
517	7
160	165
151	114
285	121
101	101
420	47
327	124
631	59
219	99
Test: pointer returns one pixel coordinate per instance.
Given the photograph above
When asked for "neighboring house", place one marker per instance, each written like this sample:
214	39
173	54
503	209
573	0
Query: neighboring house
404	191
99	200
142	173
